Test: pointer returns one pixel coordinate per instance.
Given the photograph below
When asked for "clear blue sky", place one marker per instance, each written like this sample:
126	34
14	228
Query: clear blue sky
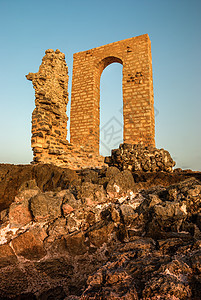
28	28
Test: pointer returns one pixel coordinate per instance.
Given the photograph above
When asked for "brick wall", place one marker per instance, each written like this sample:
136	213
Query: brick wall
138	103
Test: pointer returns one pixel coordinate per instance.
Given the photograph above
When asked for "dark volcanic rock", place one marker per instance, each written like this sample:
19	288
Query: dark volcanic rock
56	293
47	178
7	256
13	282
91	194
120	183
101	234
55	268
52	178
30	244
45	206
110	282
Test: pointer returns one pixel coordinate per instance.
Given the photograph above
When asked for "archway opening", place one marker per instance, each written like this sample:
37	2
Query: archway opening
111	108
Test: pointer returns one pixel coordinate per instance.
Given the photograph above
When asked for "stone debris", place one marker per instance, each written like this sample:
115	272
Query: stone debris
138	157
99	235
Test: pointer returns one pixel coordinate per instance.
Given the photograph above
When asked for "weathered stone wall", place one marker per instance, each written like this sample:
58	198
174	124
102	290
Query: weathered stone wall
138	103
49	119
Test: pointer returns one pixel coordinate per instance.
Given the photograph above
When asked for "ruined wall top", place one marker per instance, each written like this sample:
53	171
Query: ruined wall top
49	119
51	81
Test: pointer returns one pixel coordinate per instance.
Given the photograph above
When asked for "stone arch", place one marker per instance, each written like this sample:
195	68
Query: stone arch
111	120
108	60
101	65
137	85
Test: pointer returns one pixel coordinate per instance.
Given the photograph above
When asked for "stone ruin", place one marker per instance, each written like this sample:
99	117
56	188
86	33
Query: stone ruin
49	119
137	85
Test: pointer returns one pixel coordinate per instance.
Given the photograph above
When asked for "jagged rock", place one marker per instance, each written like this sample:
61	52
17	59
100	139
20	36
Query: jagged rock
166	287
196	262
67	209
47	178
56	268
189	194
7	256
128	214
110	283
13	282
51	178
120	183
30	244
45	206
76	244
70	203
168	246
101	235
112	172
89	175
167	217
19	214
91	194
83	244
198	220
171	281
58	227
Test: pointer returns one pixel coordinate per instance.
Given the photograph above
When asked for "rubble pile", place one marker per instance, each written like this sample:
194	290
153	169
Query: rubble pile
138	157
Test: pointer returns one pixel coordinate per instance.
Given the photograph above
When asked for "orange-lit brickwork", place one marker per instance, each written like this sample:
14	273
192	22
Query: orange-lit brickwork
138	102
49	120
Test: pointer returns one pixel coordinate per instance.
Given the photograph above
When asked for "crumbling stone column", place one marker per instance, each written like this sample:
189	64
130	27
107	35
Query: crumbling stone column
49	119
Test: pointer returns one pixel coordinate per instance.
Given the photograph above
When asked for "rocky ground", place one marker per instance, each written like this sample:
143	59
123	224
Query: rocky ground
99	234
